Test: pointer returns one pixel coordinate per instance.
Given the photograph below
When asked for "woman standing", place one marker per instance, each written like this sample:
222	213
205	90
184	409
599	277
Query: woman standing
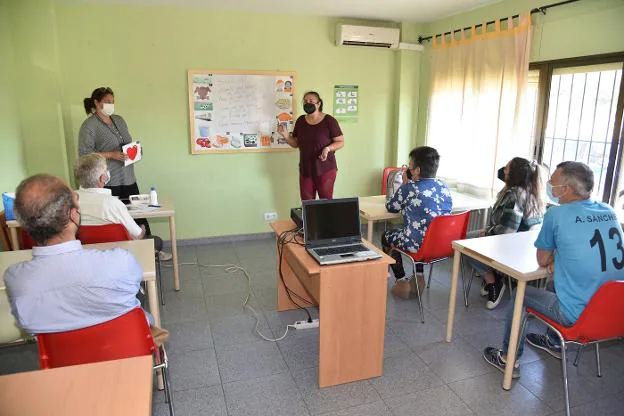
104	132
318	136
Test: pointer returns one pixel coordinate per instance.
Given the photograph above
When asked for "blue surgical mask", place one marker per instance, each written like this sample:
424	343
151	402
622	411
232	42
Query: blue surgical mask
549	192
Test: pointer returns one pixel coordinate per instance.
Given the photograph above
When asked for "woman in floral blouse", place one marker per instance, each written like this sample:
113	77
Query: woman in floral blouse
421	198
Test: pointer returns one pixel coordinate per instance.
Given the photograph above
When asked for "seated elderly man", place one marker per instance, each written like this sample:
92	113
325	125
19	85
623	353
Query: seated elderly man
581	240
65	286
98	206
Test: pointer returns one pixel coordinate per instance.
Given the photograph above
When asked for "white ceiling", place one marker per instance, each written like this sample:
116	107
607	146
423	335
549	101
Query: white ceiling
393	10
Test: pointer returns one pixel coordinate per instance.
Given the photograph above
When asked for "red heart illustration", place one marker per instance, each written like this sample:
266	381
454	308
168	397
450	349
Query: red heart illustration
132	151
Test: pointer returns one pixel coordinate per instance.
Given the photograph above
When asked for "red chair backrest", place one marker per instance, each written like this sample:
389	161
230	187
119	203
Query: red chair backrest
27	241
603	317
124	337
384	179
108	233
442	231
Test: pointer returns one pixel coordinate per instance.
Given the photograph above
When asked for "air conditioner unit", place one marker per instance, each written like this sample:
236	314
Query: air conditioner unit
378	37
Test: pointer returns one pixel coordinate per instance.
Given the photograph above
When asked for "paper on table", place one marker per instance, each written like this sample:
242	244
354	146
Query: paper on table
133	151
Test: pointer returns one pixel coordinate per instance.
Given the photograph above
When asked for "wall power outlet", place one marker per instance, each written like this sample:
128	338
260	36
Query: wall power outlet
270	216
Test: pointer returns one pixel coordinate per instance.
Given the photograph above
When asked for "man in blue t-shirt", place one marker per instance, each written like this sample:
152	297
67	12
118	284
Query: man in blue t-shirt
581	243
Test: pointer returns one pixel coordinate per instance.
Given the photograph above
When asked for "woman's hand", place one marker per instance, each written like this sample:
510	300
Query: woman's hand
324	153
120	156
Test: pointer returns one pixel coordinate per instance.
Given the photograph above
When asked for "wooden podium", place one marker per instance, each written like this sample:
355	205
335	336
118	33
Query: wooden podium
352	302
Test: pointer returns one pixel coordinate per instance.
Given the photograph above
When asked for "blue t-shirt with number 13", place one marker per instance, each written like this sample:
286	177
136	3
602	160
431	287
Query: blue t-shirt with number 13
586	237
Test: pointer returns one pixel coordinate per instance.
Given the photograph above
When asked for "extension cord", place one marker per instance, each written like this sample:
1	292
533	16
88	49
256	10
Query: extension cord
306	324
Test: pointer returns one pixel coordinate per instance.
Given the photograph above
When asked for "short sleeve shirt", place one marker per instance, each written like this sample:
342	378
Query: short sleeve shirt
98	207
586	238
419	202
311	139
96	136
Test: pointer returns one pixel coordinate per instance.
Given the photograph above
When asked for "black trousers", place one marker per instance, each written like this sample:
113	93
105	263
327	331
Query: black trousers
397	268
124	192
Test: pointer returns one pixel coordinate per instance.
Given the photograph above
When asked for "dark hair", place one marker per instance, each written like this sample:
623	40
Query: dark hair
427	159
318	97
96	95
42	206
578	176
525	175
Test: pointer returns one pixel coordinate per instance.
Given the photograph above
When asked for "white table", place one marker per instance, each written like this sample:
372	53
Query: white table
512	254
166	210
373	208
143	250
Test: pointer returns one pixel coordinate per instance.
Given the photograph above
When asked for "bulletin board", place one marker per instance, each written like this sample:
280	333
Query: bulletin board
239	111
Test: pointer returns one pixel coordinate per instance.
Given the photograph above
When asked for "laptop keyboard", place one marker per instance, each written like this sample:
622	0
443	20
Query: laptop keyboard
341	250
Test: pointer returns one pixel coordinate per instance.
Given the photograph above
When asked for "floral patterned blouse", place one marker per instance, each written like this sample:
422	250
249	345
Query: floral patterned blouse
419	202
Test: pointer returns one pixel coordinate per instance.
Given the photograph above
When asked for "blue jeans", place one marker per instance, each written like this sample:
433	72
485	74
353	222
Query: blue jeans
478	266
544	302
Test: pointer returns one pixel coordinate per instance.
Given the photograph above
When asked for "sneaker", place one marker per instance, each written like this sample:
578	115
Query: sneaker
164	256
495	294
494	357
484	291
542	342
401	288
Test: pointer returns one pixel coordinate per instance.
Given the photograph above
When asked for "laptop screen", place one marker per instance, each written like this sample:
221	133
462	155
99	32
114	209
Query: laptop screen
331	221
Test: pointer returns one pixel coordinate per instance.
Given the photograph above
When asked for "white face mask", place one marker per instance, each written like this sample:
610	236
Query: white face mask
108	109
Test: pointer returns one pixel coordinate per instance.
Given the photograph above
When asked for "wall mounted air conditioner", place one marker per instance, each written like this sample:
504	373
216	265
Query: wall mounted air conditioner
378	37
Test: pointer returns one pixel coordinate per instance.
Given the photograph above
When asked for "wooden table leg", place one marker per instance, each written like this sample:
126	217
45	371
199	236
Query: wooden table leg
14	240
174	253
369	235
453	296
152	296
515	334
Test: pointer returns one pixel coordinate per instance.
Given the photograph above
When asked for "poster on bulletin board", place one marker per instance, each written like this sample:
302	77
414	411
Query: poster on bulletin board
239	111
346	102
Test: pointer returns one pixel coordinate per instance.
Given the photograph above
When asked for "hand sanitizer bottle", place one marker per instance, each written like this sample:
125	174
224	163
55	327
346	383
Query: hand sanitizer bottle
153	197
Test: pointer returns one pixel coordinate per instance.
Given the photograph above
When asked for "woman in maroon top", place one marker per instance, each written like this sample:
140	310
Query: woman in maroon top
318	136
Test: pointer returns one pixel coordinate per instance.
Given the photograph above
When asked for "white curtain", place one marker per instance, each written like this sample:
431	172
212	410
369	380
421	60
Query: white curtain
477	119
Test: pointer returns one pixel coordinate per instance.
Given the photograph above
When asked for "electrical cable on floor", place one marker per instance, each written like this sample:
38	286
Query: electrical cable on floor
289	236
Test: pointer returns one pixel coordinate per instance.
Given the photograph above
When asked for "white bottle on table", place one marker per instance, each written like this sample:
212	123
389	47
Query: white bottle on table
153	197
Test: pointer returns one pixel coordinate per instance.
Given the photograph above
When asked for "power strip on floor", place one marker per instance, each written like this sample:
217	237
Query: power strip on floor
306	324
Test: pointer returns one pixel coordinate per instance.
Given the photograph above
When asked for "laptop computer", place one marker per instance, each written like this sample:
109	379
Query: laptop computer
331	230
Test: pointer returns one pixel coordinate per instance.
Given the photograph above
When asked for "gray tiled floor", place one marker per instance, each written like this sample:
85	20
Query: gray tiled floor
220	366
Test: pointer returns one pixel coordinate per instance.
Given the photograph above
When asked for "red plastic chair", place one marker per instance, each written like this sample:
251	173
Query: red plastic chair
108	233
436	246
27	241
123	337
384	179
601	320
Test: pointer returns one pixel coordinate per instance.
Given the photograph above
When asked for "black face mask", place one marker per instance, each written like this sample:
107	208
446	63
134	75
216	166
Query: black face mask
309	108
501	174
408	173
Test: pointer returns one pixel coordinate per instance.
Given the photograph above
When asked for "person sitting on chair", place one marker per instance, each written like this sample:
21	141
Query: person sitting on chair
65	286
97	205
420	199
581	242
518	207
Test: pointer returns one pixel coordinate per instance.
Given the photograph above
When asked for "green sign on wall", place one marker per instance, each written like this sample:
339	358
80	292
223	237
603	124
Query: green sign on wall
346	102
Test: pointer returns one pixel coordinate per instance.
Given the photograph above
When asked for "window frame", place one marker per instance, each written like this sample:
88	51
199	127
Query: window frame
546	69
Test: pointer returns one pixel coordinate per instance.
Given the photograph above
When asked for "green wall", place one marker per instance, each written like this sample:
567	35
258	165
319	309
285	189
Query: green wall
589	27
12	166
144	52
